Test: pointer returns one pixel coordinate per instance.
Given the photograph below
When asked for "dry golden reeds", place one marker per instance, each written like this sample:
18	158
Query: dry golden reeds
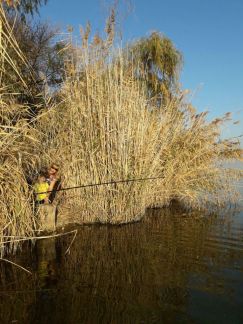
103	132
18	142
104	128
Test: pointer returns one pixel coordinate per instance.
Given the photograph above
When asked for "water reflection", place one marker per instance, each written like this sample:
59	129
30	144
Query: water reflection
169	268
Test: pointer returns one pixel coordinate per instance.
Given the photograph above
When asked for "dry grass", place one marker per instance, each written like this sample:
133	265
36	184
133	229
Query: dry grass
192	161
103	131
18	154
104	128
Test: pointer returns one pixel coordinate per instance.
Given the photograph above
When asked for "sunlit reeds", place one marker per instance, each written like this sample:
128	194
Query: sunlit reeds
106	129
103	132
103	127
17	152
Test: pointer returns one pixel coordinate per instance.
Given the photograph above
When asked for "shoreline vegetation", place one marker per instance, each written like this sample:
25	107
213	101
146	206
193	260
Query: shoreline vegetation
105	122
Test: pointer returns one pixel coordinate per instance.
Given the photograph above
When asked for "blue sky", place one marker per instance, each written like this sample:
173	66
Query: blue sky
209	33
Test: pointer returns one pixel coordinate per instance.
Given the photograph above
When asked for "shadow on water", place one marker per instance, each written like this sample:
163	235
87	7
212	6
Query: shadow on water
169	268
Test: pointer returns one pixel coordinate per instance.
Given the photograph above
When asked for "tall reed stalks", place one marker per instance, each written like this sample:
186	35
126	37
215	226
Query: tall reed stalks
105	128
18	155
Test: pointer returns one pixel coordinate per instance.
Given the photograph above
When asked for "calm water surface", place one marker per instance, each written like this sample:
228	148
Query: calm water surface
172	267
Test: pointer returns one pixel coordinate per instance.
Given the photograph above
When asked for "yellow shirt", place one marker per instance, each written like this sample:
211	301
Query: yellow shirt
41	187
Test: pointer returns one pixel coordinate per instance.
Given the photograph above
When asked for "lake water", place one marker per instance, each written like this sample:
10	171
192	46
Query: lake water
172	267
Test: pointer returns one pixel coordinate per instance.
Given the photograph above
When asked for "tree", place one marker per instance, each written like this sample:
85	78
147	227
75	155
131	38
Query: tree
40	64
159	64
44	55
24	7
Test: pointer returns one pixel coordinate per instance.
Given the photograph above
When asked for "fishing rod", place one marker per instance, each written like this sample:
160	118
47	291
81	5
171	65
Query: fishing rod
101	184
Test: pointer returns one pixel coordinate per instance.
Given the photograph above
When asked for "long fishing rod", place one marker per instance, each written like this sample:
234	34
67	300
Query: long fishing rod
101	184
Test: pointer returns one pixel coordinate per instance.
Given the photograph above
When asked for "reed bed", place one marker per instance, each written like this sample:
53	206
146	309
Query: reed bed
18	154
104	127
103	131
193	161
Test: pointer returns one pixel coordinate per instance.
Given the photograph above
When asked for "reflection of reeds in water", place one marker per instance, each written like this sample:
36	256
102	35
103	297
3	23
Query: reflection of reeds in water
127	273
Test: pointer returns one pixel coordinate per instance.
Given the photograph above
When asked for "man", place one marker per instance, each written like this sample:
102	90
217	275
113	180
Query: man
41	187
53	181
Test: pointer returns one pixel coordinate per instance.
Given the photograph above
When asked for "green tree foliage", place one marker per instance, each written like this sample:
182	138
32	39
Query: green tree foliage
159	64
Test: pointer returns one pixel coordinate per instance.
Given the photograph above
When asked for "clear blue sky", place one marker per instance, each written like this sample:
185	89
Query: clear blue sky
209	33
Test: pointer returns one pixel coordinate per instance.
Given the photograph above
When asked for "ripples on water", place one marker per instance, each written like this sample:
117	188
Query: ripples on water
170	268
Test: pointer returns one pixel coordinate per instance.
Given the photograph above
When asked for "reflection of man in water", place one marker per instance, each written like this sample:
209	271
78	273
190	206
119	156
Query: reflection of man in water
46	251
47	274
53	181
